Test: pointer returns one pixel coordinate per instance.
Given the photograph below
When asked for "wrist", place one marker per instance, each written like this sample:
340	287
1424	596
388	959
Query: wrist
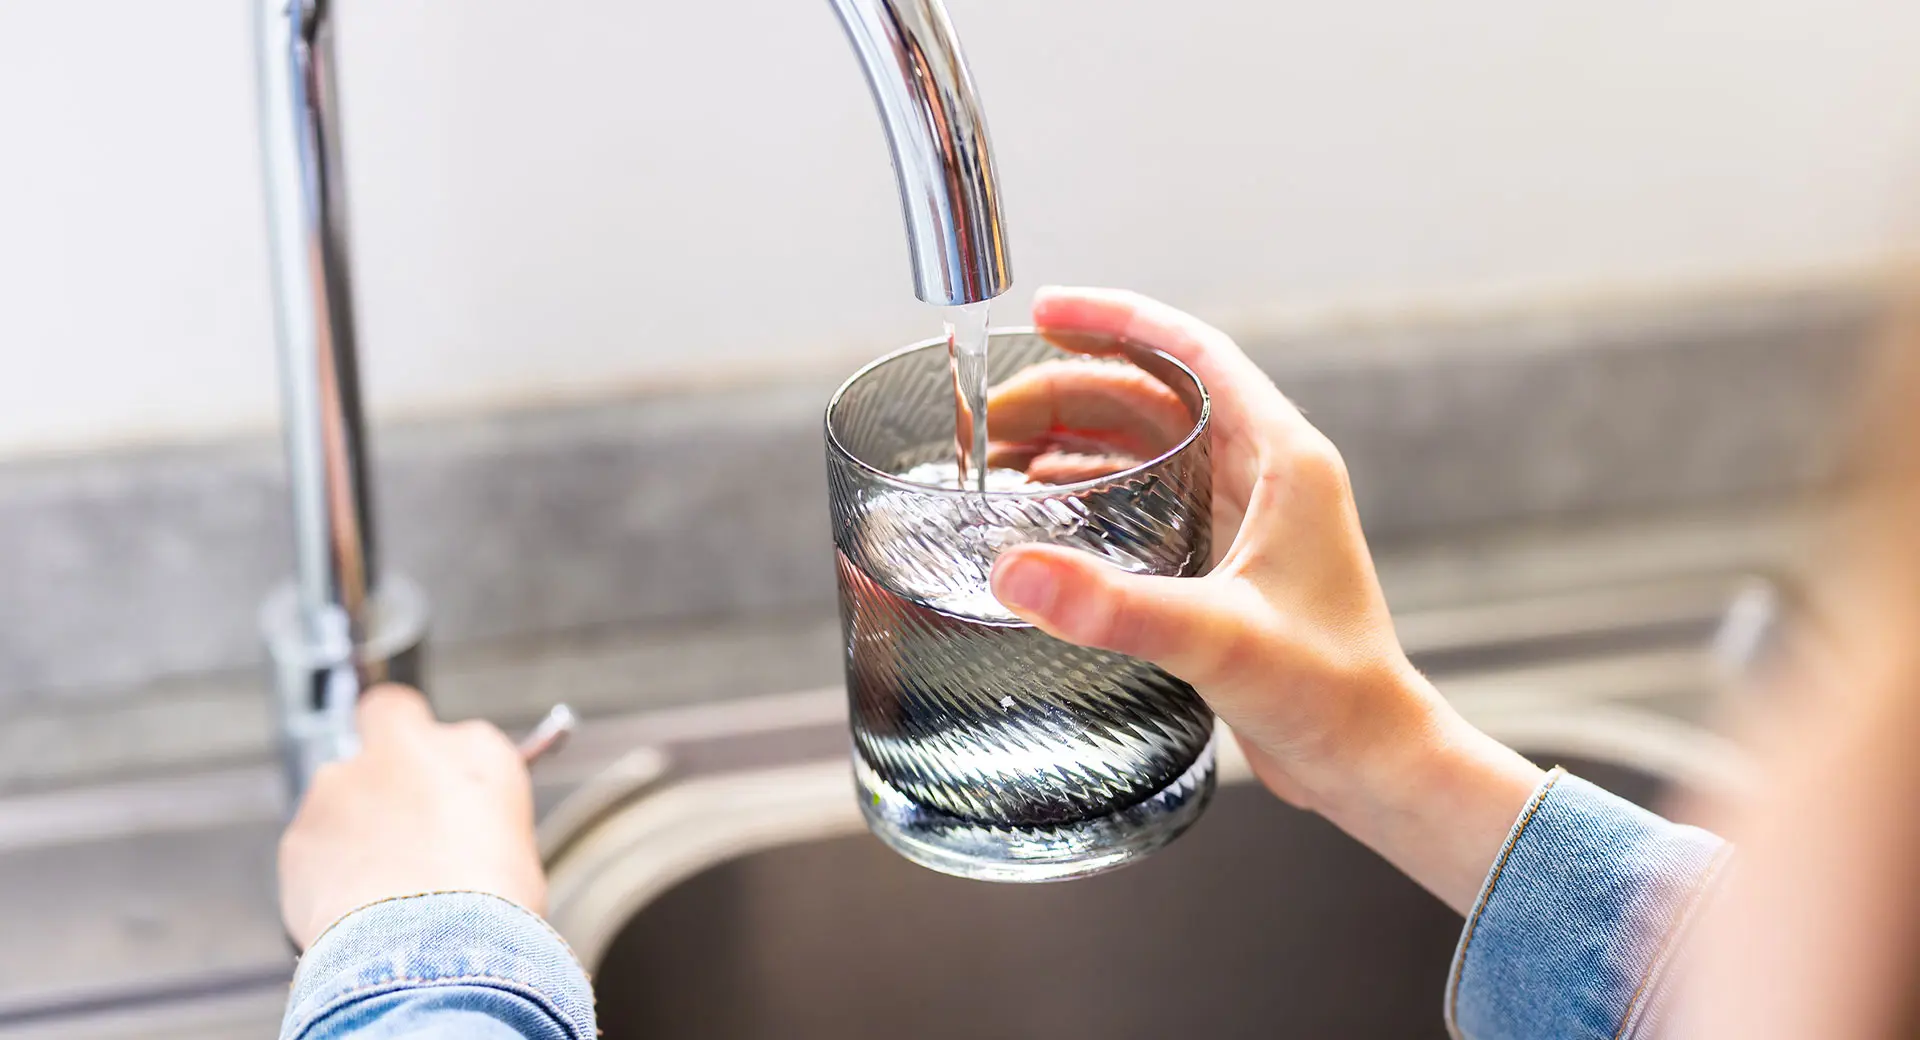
1398	729
1428	791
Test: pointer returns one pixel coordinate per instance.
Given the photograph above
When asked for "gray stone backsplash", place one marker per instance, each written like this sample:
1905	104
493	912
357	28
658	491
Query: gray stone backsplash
118	569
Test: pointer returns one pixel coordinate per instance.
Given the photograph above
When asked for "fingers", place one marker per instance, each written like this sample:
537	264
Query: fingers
1197	628
1120	403
485	737
1048	459
1242	394
390	714
1070	467
389	711
487	757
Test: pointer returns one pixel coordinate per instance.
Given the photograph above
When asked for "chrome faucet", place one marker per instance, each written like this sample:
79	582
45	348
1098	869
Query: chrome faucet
343	624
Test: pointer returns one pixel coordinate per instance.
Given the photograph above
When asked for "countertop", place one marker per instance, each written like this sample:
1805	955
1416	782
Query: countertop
139	887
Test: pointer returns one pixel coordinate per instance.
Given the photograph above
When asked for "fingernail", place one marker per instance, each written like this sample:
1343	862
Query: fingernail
1023	583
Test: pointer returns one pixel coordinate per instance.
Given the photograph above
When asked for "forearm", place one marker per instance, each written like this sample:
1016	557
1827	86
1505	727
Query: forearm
1430	793
438	967
1574	899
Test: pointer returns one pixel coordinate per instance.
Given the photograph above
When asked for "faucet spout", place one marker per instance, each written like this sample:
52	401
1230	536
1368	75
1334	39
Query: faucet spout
949	190
343	624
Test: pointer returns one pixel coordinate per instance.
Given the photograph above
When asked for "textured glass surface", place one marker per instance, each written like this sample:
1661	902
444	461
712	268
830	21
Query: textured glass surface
984	746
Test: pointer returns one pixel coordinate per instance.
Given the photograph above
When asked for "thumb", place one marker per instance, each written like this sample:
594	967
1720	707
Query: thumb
1195	628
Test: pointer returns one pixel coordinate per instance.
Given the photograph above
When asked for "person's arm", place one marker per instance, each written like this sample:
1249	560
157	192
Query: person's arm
411	879
1579	919
445	966
1570	894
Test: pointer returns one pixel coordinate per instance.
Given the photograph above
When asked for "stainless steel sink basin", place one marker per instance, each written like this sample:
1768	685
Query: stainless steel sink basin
721	885
1261	922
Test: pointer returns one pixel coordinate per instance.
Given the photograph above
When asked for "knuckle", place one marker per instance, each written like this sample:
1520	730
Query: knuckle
472	728
1316	466
1215	342
482	736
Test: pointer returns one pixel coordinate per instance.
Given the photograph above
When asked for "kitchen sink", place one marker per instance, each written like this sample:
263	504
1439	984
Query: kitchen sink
710	867
1263	921
722	885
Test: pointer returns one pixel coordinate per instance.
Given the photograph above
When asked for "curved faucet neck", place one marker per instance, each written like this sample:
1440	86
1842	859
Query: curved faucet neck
949	189
341	627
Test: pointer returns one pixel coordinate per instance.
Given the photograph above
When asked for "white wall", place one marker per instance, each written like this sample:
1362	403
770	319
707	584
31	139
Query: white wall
566	197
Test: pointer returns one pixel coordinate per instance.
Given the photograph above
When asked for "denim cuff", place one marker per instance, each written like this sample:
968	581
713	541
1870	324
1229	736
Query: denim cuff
494	950
1577	919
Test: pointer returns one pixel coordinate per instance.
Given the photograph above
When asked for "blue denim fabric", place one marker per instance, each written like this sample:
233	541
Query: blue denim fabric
1575	923
444	966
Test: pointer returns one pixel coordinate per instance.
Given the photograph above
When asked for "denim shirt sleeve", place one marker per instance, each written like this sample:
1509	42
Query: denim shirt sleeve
438	967
1577	919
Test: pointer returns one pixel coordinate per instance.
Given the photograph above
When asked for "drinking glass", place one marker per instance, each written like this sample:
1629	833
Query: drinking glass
984	747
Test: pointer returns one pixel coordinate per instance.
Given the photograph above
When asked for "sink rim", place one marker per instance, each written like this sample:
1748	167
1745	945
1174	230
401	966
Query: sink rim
666	829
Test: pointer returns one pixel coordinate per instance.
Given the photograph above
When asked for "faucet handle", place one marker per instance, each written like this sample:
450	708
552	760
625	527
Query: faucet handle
551	732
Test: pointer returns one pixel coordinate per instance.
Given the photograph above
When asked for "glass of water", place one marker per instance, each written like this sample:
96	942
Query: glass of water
984	747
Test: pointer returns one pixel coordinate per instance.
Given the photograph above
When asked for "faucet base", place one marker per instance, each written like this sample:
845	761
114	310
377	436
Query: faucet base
319	673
